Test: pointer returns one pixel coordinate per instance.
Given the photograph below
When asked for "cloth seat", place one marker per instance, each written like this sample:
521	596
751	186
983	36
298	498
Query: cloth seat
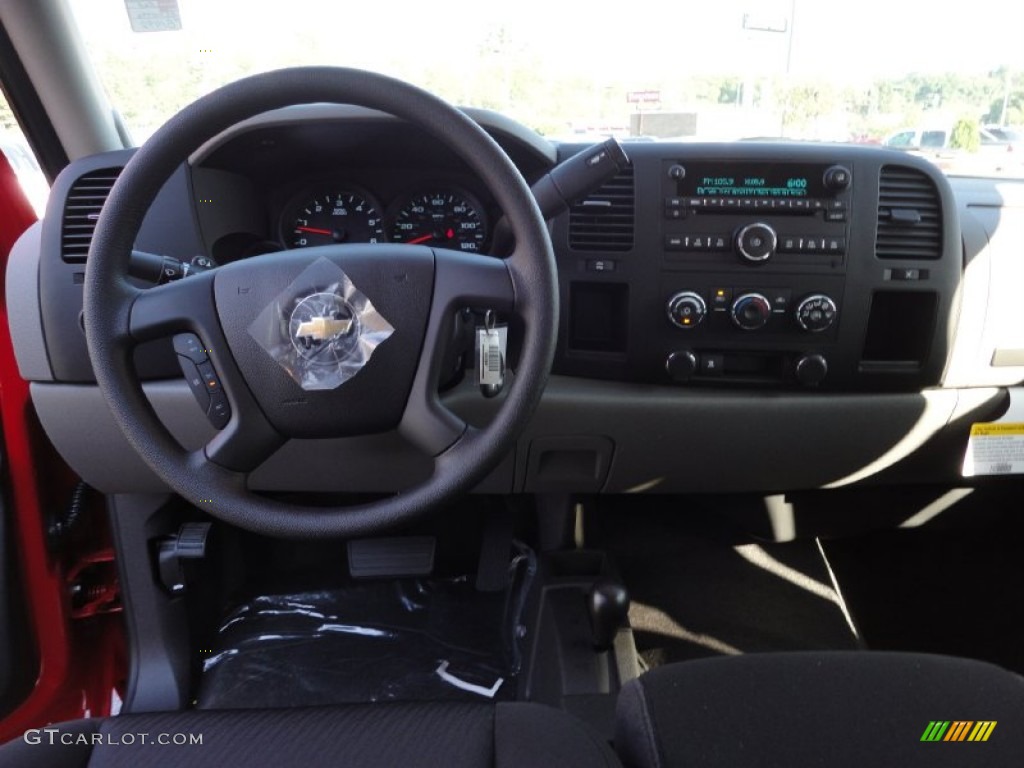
838	709
387	735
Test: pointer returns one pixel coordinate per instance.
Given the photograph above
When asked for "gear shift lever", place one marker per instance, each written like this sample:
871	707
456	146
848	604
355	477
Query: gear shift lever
608	605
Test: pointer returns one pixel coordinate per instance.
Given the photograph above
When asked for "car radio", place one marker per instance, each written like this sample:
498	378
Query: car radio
758	263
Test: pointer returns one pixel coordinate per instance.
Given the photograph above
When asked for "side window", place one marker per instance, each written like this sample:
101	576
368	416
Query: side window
933	139
22	161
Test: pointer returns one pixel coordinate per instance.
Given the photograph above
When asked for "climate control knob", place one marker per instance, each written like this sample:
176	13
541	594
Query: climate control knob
756	242
686	310
751	311
816	313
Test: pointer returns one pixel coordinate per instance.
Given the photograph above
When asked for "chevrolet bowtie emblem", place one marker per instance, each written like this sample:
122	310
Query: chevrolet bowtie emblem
323	328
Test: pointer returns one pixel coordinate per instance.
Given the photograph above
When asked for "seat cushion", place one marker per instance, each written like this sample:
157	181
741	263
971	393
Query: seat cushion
821	709
361	736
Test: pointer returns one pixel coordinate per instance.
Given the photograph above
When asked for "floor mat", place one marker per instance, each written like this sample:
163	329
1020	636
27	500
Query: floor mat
701	593
956	592
395	640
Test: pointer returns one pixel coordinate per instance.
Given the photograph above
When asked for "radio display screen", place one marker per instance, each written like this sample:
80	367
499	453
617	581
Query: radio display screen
756	180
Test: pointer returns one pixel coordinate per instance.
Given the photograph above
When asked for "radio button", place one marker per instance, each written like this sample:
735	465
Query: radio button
836	211
756	242
837	178
835	245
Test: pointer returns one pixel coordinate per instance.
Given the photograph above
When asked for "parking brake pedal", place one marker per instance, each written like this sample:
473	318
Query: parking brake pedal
189	543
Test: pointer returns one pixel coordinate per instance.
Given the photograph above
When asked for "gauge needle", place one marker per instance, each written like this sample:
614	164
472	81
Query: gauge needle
315	231
420	239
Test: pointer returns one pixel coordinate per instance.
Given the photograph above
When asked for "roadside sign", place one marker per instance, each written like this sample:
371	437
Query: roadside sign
643	97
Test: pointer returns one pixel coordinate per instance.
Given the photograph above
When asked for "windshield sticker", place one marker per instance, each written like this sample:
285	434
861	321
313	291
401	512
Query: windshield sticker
153	15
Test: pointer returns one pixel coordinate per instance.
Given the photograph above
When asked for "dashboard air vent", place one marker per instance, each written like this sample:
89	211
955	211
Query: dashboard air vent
81	211
909	215
603	221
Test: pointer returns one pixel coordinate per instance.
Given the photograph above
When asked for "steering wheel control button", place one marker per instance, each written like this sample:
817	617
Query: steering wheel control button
188	345
837	178
751	311
756	242
816	313
209	377
687	310
810	370
195	382
681	365
219	411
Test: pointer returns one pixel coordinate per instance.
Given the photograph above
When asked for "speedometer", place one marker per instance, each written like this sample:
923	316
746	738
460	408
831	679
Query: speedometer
447	218
334	216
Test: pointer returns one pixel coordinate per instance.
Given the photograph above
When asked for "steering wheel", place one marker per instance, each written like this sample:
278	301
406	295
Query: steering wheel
417	289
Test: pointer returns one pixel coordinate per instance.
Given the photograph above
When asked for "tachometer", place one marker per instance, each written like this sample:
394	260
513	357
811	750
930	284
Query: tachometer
447	218
325	218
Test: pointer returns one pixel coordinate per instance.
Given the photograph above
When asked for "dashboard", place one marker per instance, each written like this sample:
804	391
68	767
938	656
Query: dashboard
750	316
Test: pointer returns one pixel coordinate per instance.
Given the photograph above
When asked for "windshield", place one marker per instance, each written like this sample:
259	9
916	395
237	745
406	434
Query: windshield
909	74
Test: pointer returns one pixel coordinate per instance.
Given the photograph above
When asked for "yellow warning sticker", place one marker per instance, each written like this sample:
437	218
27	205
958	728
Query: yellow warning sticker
996	428
996	448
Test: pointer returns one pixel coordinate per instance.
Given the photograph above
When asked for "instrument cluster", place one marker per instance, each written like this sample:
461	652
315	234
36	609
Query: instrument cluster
439	215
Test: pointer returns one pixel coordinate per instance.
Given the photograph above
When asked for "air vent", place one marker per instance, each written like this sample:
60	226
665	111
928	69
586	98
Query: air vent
81	211
603	221
909	215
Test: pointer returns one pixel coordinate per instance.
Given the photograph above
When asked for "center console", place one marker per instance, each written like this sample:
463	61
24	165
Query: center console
775	264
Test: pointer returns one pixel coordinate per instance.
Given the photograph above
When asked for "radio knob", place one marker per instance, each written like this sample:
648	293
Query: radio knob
686	310
810	370
837	178
681	365
816	313
756	242
751	311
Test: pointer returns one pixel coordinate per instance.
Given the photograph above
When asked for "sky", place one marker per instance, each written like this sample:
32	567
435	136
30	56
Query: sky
848	41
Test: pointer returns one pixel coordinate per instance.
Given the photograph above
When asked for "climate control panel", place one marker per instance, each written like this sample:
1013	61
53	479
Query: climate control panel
762	332
779	310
